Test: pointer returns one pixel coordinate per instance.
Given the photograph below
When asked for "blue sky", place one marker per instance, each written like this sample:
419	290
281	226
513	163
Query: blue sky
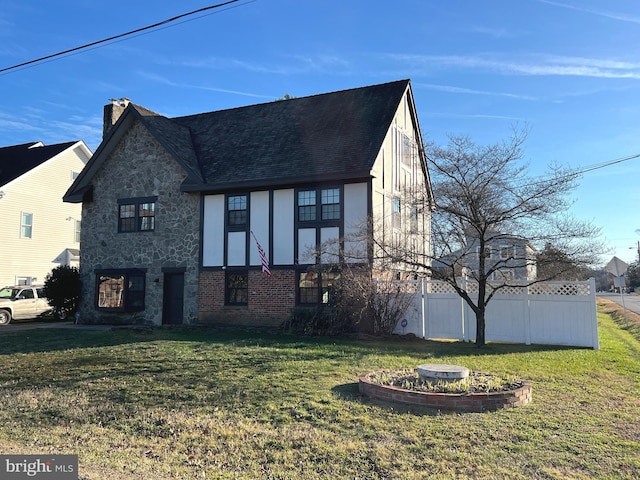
568	69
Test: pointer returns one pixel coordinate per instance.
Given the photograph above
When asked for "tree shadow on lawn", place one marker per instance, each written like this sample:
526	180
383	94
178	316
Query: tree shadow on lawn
51	340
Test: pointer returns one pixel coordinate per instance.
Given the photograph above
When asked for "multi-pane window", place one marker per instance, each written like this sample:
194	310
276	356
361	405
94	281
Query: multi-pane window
237	210
328	209
237	288
330	199
307	205
26	225
137	215
316	288
147	216
123	291
507	252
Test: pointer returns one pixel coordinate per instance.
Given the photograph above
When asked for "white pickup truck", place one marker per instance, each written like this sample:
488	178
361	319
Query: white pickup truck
22	302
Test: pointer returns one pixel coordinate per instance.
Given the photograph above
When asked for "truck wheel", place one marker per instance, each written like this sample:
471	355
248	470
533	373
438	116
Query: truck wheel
5	317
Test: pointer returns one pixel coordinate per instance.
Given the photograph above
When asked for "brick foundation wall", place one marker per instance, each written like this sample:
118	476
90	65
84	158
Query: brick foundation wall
270	299
469	402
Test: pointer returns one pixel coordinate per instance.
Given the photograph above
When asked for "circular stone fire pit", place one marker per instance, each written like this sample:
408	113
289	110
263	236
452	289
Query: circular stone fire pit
514	394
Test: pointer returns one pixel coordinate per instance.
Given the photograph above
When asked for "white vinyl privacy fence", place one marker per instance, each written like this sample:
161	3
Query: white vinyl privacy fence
553	313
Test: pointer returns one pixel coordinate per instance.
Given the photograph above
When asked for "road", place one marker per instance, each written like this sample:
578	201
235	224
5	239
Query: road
631	302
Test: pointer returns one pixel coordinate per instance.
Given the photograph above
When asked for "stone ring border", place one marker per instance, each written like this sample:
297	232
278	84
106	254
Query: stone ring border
460	402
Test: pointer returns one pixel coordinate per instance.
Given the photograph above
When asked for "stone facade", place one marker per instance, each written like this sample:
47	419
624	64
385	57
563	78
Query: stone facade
140	167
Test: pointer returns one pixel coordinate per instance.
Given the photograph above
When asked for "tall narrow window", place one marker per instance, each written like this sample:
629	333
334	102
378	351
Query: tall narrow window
26	225
237	288
307	205
77	231
330	203
147	216
397	215
237	210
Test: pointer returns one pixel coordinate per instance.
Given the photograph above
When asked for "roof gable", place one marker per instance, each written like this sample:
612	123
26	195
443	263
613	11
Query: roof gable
17	160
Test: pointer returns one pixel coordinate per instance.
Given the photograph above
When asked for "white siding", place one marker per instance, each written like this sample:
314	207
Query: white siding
40	192
259	224
283	227
213	231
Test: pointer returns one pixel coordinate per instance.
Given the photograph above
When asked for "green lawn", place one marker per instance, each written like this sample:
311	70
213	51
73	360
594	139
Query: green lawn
205	404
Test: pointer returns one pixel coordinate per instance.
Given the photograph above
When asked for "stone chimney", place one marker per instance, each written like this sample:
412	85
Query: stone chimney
112	112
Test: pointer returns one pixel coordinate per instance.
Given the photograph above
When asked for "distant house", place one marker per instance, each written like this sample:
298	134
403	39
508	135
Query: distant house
174	208
507	259
39	231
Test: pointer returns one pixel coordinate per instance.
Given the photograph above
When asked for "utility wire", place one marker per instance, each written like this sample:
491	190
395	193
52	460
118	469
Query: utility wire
116	37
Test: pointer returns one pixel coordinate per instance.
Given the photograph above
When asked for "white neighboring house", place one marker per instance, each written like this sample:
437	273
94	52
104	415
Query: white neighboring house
508	259
39	231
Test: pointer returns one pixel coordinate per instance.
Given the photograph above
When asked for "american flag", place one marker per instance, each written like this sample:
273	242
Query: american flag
263	257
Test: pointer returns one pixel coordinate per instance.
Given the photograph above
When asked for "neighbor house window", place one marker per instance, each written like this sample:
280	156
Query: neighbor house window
77	231
237	210
316	287
507	252
310	210
237	288
26	225
121	290
137	214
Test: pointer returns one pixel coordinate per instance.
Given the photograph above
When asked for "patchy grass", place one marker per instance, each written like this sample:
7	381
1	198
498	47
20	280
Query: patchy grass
225	405
627	320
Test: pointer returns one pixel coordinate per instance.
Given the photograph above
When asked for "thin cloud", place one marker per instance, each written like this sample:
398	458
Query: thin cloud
470	91
171	83
601	13
492	32
475	116
538	65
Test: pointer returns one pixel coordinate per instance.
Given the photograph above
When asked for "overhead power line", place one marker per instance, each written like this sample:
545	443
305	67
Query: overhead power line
597	166
116	37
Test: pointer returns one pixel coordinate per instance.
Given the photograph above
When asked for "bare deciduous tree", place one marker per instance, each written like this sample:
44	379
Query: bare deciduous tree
490	217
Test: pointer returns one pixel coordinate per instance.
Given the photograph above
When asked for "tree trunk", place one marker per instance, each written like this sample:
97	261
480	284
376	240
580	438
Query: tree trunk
480	324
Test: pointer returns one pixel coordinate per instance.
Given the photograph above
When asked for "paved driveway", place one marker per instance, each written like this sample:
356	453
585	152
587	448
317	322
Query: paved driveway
33	325
631	302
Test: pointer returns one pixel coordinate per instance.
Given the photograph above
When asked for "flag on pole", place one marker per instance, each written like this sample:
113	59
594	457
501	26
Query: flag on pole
263	257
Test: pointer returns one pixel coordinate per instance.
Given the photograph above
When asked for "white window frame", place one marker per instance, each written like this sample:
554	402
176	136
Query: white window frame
24	225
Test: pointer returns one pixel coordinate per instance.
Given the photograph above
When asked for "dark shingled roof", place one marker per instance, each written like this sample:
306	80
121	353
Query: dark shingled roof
336	134
328	137
17	160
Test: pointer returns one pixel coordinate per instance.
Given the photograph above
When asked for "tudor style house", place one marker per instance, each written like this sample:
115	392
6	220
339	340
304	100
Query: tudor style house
177	211
39	232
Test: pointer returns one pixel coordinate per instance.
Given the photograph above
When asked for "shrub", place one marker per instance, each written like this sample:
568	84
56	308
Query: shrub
62	289
318	321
